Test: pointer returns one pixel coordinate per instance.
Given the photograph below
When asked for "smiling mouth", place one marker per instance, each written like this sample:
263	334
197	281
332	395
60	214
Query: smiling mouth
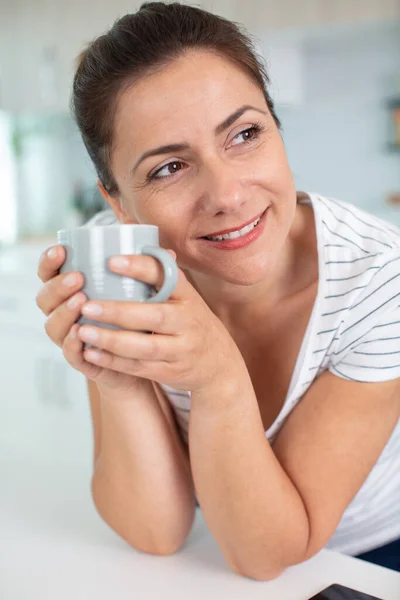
237	233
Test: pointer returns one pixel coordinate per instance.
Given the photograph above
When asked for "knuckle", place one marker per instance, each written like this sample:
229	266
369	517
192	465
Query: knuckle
69	355
68	351
116	311
43	300
49	329
111	342
44	272
186	345
160	315
153	347
110	361
47	326
41	264
134	366
38	300
181	318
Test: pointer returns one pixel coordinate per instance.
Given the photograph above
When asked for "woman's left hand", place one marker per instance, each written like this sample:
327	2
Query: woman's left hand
190	349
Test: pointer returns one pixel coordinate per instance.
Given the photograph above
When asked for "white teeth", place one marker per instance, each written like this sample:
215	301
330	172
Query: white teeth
234	234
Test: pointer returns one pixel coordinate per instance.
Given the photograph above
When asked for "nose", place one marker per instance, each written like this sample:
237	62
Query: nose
223	190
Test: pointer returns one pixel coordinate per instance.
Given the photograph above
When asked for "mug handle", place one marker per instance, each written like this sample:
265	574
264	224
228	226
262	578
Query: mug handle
170	272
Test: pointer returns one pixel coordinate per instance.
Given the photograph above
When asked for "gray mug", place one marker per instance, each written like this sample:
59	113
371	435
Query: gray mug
88	250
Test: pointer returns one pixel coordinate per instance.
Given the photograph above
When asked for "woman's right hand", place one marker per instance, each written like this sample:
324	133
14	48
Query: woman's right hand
61	300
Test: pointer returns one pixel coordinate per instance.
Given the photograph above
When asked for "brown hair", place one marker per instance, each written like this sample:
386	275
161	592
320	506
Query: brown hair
139	44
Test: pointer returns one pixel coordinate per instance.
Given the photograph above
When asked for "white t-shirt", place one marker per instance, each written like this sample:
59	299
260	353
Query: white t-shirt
354	332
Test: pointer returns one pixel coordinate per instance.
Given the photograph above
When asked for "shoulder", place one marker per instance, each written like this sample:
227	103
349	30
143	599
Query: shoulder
357	248
366	306
348	226
359	319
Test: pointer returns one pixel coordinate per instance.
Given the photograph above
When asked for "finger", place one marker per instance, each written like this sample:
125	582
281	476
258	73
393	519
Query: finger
149	270
50	262
133	345
139	266
106	360
57	290
73	352
149	369
63	317
161	317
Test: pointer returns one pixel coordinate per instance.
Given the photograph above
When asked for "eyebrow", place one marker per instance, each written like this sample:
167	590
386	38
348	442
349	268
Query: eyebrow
170	148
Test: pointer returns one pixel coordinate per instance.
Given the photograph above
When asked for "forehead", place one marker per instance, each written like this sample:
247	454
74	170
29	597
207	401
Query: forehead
199	88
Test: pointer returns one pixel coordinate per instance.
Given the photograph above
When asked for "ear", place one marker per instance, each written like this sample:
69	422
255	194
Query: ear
116	205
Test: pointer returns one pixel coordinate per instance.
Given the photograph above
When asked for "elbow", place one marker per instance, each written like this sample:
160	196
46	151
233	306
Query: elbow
157	547
259	574
259	571
263	564
137	532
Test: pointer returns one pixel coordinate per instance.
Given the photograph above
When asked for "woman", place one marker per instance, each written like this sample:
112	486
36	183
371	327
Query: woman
281	340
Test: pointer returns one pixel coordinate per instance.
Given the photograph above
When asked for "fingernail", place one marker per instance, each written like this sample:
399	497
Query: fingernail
88	334
70	280
73	332
92	310
52	253
93	355
119	262
73	302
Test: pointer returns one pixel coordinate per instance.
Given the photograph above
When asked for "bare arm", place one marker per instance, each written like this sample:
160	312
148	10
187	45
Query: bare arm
270	508
142	485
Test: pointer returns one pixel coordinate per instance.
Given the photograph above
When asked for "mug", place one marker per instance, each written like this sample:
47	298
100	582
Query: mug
88	250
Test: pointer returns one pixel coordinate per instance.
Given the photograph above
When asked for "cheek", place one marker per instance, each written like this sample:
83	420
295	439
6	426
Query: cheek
273	166
171	235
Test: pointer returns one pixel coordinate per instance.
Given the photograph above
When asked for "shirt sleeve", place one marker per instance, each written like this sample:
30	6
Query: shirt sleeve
368	346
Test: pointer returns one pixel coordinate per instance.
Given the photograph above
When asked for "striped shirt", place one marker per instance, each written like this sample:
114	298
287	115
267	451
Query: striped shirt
354	332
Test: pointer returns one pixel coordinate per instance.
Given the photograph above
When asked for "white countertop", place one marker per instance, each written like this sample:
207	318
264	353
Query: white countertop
54	546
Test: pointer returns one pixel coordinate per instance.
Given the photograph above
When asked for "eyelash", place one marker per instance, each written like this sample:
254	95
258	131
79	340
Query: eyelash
256	129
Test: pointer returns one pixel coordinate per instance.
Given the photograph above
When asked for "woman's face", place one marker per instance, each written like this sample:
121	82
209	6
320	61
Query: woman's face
197	152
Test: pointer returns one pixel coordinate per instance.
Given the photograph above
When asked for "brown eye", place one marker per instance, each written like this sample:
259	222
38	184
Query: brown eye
173	167
170	169
248	135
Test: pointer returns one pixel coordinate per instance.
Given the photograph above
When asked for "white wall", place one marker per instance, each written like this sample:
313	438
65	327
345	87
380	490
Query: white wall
337	139
40	39
8	196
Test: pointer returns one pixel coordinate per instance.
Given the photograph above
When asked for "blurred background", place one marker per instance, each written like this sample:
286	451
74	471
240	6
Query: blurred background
335	78
335	71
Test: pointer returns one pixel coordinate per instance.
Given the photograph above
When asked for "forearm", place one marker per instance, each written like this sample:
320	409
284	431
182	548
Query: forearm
250	504
141	484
